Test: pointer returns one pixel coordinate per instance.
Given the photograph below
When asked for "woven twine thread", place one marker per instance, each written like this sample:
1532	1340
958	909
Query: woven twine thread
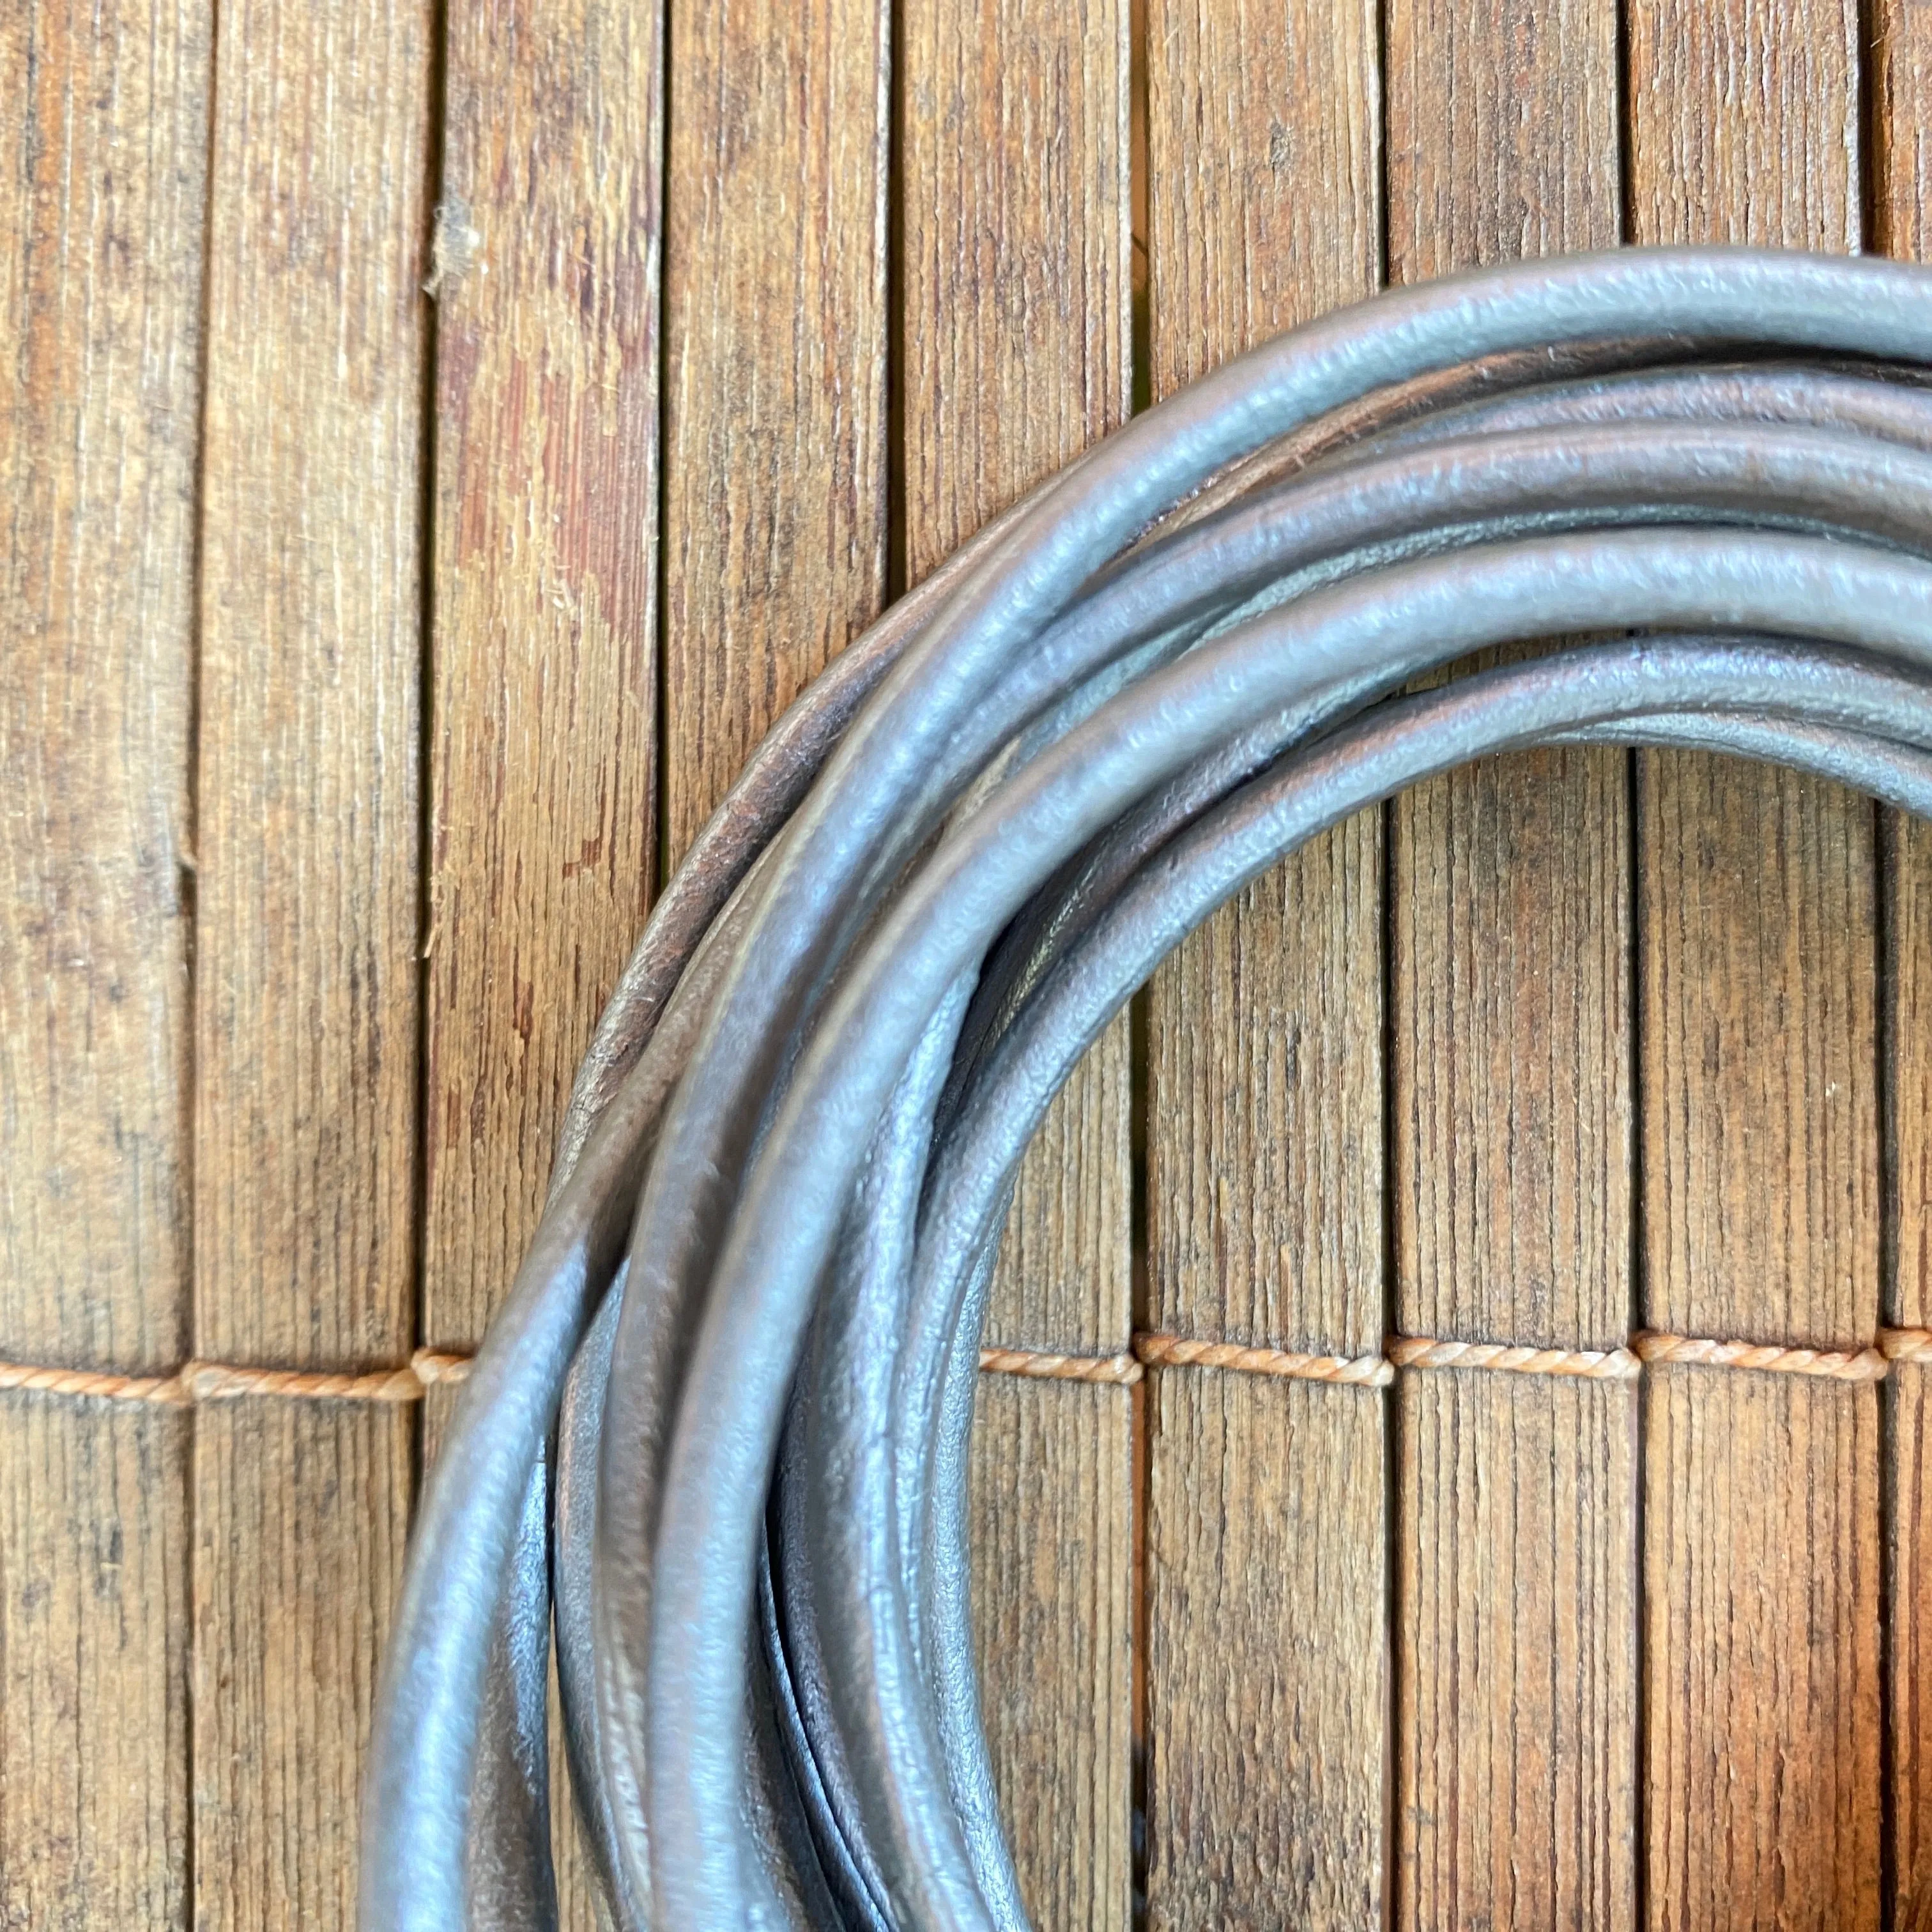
199	1382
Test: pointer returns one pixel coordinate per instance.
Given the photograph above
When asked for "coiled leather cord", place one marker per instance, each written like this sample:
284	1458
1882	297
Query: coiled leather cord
748	1322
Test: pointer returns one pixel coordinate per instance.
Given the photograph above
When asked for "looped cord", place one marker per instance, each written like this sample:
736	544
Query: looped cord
716	1439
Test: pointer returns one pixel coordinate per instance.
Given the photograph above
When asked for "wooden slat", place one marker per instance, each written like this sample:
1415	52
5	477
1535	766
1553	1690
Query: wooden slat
543	808
1761	1494
1901	203
297	1560
309	922
544	841
1052	1550
1516	1705
93	1704
104	112
1266	1560
1266	1583
1908	1810
1759	1133
1018	353
105	117
775	404
1515	1661
1015	278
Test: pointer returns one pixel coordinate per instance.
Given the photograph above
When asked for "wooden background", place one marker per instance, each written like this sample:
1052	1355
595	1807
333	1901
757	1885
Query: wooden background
438	437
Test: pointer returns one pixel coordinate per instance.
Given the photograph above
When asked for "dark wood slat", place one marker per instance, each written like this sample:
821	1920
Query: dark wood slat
1759	1133
105	119
1516	1719
1015	274
1266	1561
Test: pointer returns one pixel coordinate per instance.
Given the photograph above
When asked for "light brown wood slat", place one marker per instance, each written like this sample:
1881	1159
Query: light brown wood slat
105	116
775	404
1901	202
1015	233
1760	1134
544	807
775	335
1053	1544
94	1644
100	206
1761	1652
1267	1582
1517	1693
1266	1547
297	1559
308	919
544	845
1908	1813
1516	1682
1907	1407
1015	226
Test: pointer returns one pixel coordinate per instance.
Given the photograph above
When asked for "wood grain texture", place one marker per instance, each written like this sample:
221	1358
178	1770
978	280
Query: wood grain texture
1761	1599
1513	1112
1515	1653
1265	1141
543	808
1517	1577
1758	1131
1266	1562
104	113
1503	132
1016	235
543	850
775	402
308	925
1759	959
1907	1815
1901	203
1015	279
1743	122
1267	1581
297	1560
1052	1550
95	1817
